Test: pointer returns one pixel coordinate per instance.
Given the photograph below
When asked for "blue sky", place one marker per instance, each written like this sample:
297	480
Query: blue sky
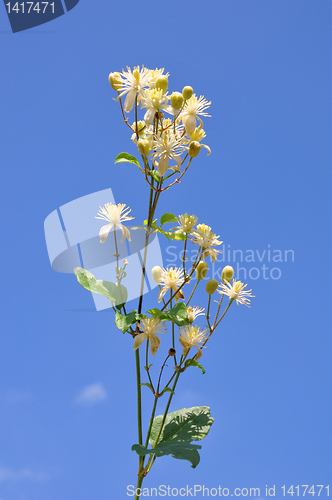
67	376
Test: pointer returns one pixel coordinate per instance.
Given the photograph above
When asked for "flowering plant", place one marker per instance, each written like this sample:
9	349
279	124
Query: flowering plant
167	147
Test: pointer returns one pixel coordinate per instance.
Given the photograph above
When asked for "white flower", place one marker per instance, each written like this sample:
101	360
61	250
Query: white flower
235	291
186	223
192	336
151	328
171	279
194	312
167	147
154	100
114	214
134	82
205	238
192	108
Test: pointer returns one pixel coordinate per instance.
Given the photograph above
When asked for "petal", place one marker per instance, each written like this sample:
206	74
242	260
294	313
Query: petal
163	164
190	124
139	339
199	353
103	233
148	117
185	351
154	344
130	99
162	293
125	232
178	160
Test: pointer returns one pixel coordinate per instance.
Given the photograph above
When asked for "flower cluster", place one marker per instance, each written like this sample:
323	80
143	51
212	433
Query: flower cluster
167	145
168	142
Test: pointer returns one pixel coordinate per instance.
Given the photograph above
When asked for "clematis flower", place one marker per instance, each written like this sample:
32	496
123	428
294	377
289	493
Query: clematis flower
171	279
192	108
133	83
194	312
151	328
186	224
205	238
235	291
154	100
166	148
192	336
114	214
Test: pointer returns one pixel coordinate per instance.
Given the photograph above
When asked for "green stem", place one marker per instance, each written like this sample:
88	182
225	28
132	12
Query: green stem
225	312
192	293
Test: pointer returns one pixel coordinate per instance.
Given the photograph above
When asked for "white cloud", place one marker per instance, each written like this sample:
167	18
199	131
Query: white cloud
91	395
18	475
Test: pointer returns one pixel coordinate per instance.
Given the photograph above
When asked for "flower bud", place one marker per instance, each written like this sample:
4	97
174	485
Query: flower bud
162	83
171	351
176	100
194	149
201	270
143	146
115	81
211	286
227	274
156	272
187	92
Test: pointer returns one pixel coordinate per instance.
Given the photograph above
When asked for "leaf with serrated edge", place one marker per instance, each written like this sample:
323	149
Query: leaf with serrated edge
182	451
188	424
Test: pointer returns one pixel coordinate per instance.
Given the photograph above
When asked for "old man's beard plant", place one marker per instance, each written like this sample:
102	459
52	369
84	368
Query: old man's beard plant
168	138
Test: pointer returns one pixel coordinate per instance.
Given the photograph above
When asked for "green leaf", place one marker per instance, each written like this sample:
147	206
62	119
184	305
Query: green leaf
126	158
168	218
155	174
106	288
149	386
193	362
180	428
187	424
177	236
182	451
123	321
139	316
120	292
178	314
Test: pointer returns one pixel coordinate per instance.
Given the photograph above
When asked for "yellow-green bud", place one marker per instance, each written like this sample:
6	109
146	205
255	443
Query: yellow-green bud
156	272
187	92
176	100
194	149
115	81
227	274
211	286
201	270
143	146
162	83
